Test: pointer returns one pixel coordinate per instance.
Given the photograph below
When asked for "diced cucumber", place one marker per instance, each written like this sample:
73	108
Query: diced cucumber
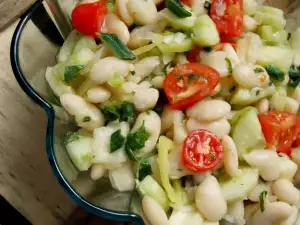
271	16
186	215
247	133
67	48
176	22
279	57
85	42
295	39
205	32
243	96
278	100
250	7
272	37
83	56
150	187
79	149
56	84
237	188
122	178
179	42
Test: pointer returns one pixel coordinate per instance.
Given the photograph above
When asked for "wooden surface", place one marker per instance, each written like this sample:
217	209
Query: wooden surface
12	9
26	180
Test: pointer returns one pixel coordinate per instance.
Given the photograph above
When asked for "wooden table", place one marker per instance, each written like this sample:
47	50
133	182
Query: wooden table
26	180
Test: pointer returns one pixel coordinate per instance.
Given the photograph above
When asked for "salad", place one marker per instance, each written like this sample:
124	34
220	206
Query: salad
193	103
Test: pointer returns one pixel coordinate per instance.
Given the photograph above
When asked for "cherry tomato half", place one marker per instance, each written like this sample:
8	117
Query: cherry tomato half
280	129
202	151
228	16
88	18
189	83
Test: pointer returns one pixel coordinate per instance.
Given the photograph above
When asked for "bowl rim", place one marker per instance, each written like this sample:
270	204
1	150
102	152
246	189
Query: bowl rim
29	90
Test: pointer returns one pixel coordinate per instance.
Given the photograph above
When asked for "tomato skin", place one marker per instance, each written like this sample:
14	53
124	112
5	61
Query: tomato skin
186	2
280	129
88	18
193	54
229	22
201	151
296	142
183	92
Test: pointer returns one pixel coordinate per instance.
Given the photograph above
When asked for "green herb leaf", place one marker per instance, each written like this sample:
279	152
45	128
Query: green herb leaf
178	9
111	113
71	72
119	49
262	199
130	153
275	73
294	74
127	112
229	65
137	139
70	137
196	77
117	140
86	119
143	169
258	70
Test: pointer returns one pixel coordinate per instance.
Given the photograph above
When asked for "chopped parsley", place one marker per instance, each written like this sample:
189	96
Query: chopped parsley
275	73
70	137
262	199
117	140
258	70
229	65
71	72
86	119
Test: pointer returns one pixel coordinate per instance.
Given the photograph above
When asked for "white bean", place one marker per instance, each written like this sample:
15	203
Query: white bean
255	193
209	199
231	160
219	127
158	81
122	178
217	61
209	110
236	210
287	167
285	191
154	212
144	12
296	156
145	99
230	51
211	223
113	25
274	212
140	36
97	94
108	68
200	177
144	68
291	219
167	118
267	163
291	105
249	23
179	131
97	171
263	105
123	11
245	76
198	7
152	125
248	48
86	114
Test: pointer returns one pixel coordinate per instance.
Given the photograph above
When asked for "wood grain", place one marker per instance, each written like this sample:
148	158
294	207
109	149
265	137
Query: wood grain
26	180
12	9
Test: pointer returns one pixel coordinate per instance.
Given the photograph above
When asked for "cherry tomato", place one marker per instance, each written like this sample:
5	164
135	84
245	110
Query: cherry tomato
280	129
296	143
202	151
186	2
228	16
88	18
189	83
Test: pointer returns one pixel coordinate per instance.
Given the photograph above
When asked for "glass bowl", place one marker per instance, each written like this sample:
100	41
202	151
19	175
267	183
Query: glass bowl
35	43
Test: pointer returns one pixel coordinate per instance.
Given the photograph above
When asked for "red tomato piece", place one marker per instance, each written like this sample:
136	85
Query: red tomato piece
296	143
88	18
280	129
228	16
189	83
202	151
186	2
193	54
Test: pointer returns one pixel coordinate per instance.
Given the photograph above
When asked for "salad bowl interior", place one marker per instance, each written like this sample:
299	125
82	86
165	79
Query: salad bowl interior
35	44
